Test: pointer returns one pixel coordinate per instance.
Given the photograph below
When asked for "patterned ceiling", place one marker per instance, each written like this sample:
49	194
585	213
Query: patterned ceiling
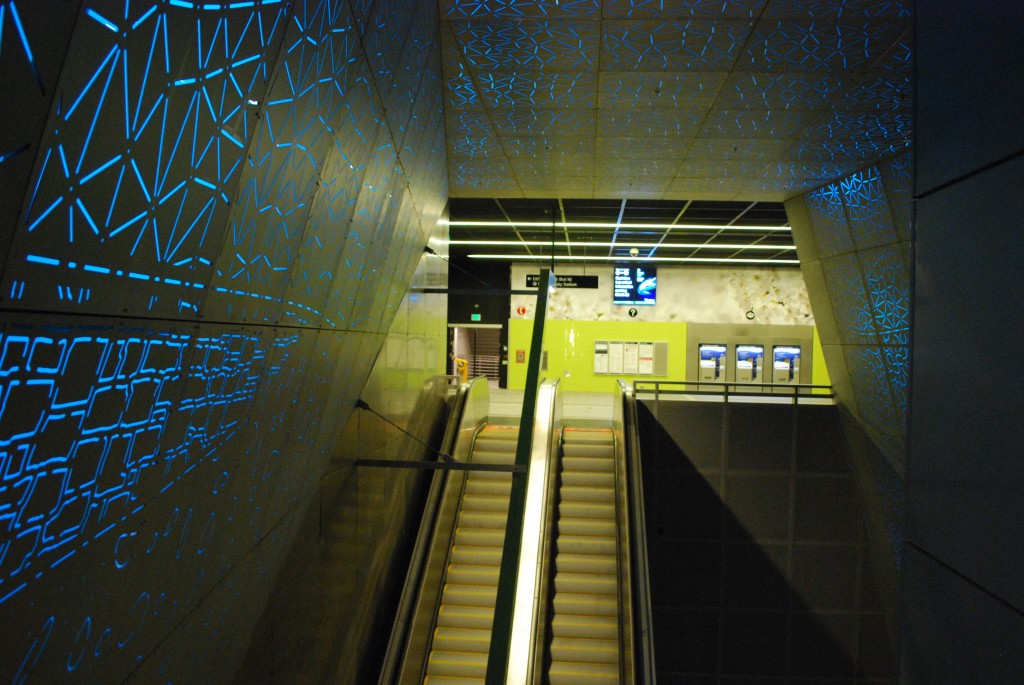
671	99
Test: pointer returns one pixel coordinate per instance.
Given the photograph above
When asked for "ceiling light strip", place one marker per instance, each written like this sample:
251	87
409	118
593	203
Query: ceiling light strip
690	260
642	246
580	224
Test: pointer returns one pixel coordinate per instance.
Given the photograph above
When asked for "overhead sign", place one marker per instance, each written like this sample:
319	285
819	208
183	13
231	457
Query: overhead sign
566	281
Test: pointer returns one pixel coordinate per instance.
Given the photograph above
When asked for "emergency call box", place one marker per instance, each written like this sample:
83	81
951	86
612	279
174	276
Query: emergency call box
749	363
785	364
712	361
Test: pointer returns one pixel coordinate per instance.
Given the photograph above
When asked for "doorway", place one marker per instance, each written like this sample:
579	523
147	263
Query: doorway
480	346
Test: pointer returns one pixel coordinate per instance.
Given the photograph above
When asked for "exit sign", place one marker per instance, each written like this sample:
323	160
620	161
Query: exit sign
474	317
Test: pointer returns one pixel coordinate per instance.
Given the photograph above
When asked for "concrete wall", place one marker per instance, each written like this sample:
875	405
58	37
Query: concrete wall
209	219
963	600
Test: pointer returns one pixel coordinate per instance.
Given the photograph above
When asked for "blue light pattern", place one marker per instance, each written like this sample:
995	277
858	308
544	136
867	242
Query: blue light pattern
520	9
536	45
193	162
672	45
888	287
805	46
867	209
828	220
850	303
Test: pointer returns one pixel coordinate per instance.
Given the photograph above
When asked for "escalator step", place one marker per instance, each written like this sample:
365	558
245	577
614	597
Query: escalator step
483	519
586	464
469	596
459	639
585	544
600	627
598	479
444	680
604	528
585	650
454	616
484	503
586	583
586	563
587	493
480	537
462	574
489	487
587	510
585	605
464	664
572	673
477	556
605	451
493	457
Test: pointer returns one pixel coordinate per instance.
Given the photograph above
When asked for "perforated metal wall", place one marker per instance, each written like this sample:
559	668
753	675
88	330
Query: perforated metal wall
211	213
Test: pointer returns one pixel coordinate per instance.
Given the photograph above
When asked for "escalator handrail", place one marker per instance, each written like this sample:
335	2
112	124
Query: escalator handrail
643	633
464	417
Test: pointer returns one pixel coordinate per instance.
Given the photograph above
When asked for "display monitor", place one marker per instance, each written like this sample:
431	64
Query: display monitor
786	364
634	284
749	362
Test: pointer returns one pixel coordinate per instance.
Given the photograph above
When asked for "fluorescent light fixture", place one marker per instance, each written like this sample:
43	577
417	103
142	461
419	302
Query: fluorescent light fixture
577	224
642	246
579	258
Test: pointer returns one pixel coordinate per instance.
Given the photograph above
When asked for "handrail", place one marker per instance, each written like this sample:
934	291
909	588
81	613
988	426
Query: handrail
643	623
529	614
727	389
624	518
468	412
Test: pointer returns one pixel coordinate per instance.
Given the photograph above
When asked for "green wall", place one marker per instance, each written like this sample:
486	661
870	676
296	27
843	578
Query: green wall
570	346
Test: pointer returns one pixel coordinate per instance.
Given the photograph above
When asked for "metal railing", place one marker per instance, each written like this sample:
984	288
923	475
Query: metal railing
795	393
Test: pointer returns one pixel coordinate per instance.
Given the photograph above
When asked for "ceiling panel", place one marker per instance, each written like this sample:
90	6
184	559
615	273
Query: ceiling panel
737	99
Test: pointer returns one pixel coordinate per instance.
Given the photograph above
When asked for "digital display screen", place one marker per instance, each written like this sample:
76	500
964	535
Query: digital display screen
634	285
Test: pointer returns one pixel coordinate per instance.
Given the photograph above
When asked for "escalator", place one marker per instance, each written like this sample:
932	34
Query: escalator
581	628
585	626
462	634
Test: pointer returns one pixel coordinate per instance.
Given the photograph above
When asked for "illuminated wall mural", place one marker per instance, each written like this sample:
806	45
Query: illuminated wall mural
853	237
210	216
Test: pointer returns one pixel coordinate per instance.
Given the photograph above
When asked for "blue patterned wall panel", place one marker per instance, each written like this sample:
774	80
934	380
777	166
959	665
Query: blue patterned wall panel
686	45
32	38
888	287
869	374
850	303
828	220
836	9
896	176
867	209
141	157
152	469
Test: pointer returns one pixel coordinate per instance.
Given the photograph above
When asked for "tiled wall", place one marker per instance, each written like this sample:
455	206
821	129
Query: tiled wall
760	564
963	605
210	215
853	239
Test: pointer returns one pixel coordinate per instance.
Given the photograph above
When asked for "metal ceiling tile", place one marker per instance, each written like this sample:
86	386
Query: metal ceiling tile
655	123
674	90
698	9
820	46
756	123
710	149
839	9
562	121
627	147
538	89
679	45
781	91
519	9
537	45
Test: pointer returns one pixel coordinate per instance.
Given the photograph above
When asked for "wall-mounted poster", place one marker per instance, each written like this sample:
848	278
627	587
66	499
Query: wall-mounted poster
630	357
600	356
614	357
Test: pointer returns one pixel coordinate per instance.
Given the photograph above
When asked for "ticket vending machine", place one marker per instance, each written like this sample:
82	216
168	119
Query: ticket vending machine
712	362
785	364
749	362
